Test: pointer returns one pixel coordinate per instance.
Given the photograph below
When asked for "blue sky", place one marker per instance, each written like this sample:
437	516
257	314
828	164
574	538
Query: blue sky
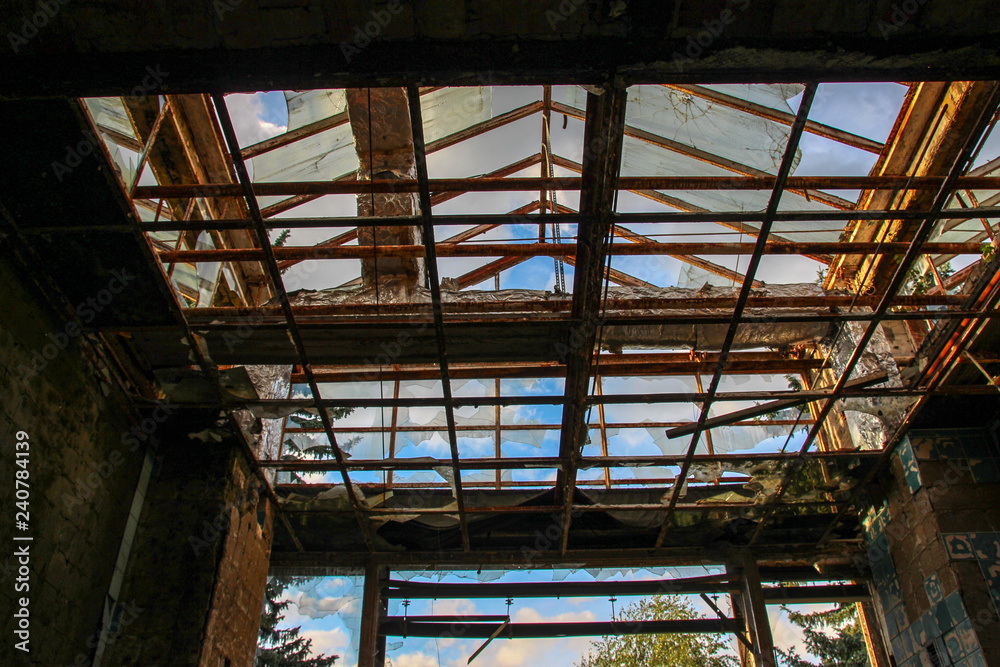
865	109
336	633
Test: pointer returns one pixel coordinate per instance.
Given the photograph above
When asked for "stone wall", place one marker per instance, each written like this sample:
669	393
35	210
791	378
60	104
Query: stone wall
178	538
83	467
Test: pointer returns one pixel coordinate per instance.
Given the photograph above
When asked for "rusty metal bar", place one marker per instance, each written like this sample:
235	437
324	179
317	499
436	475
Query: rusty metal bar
497	184
433	282
635	247
500	174
498	431
781	182
536	427
567	589
291	136
598	386
392	427
757	410
659	363
400	627
689	215
153	132
274	273
485	126
543	462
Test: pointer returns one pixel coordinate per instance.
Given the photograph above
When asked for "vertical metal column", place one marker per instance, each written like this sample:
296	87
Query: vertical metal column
371	652
755	612
874	638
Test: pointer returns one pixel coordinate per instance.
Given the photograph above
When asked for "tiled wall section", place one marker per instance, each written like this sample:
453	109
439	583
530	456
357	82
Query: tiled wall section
944	629
982	548
939	591
972	447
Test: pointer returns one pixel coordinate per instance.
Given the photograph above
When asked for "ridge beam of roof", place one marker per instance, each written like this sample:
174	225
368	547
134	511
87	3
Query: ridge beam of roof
603	138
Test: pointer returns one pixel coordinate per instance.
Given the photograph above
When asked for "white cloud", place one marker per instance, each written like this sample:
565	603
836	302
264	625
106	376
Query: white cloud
511	653
418	659
335	641
247	113
305	605
532	615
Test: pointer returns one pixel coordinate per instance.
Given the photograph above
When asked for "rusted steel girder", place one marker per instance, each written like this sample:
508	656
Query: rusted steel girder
532	184
391	253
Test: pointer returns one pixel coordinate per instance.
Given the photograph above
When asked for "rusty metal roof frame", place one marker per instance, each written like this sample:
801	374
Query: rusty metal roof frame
599	224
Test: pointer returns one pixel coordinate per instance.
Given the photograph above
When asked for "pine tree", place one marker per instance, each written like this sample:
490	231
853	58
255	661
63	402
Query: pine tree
291	451
672	650
834	636
283	647
282	238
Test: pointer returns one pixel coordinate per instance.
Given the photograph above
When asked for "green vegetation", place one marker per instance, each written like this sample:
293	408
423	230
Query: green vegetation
284	647
834	636
686	650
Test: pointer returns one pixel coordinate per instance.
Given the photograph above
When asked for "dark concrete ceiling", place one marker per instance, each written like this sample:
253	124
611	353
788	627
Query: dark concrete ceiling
90	47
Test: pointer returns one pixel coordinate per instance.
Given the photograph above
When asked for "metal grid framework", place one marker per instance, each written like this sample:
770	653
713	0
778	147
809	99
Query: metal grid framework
580	319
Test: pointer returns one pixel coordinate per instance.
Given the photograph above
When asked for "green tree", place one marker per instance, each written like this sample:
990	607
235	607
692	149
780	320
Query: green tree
283	647
834	636
674	650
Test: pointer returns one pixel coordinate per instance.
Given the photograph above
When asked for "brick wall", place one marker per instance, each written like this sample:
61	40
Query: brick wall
82	475
234	618
199	560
